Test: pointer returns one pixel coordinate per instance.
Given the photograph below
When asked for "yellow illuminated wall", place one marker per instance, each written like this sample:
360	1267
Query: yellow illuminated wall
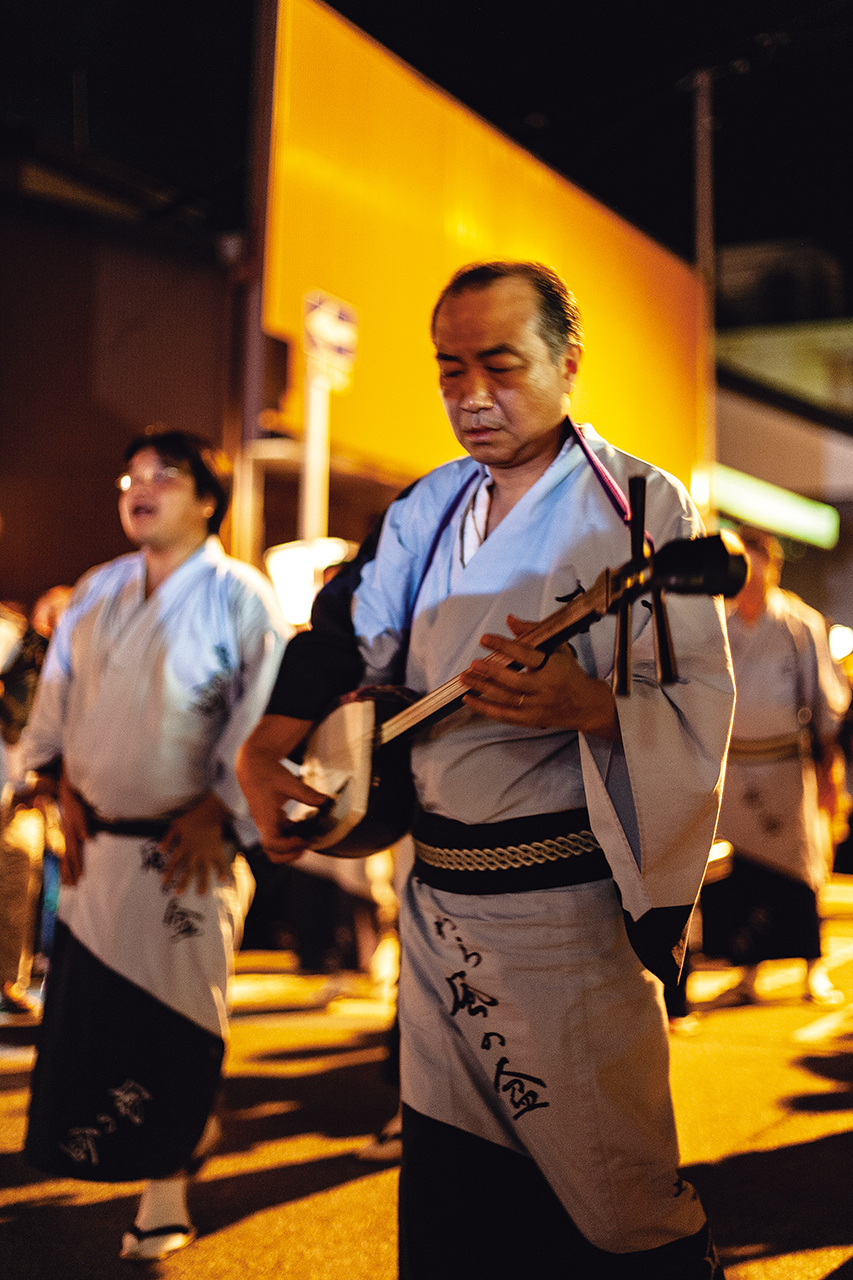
382	185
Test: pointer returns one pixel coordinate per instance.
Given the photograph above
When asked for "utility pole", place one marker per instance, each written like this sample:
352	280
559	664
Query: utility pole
703	136
701	84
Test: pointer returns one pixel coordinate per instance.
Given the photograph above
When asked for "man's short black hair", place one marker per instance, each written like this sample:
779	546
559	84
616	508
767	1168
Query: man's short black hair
559	316
760	540
210	468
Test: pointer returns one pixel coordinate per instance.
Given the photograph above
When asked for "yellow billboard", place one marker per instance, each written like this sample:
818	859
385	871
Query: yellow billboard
381	186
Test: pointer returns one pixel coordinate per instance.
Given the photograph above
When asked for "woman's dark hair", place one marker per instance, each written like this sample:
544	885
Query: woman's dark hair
210	468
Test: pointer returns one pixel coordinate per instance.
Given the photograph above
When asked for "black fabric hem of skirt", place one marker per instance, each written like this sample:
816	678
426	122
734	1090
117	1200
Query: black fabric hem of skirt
123	1084
757	913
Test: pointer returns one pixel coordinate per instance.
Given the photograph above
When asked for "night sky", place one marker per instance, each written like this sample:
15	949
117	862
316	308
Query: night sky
596	90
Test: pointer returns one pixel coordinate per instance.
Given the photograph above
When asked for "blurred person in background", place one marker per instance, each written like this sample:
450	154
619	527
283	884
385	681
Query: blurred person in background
781	784
21	656
159	668
29	826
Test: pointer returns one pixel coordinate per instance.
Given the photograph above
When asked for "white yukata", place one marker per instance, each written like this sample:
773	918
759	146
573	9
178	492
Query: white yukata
146	702
526	1018
782	666
767	908
560	1052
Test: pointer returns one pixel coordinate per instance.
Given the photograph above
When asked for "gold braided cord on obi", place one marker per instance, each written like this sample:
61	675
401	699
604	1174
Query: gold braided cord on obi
520	855
763	750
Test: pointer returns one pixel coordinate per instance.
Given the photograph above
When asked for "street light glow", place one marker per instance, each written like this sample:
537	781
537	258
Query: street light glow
297	571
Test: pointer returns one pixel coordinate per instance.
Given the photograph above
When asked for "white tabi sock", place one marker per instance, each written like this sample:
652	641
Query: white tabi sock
164	1204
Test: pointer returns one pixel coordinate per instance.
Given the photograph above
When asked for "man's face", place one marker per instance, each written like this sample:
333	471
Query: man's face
763	574
501	389
160	509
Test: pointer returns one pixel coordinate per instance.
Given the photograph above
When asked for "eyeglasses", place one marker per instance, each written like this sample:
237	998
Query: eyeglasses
157	477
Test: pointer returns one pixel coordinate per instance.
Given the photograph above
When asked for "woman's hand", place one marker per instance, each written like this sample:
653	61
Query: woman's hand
75	829
195	848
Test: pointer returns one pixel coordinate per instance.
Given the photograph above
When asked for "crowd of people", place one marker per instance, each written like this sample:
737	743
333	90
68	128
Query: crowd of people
560	833
31	837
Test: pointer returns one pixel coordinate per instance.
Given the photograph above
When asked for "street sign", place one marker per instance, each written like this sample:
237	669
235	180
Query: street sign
330	336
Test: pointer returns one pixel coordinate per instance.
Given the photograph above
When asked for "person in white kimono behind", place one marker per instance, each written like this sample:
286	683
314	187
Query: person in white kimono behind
160	667
538	1135
780	793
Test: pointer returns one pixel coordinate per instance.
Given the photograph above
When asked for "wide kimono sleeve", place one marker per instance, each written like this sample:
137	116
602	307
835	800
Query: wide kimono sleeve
825	689
260	633
42	738
654	797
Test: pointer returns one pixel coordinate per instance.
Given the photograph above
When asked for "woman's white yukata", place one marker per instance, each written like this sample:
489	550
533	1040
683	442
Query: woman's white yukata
782	665
767	908
146	702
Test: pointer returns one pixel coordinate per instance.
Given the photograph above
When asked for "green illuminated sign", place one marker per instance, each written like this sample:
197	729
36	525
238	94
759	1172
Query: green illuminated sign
777	510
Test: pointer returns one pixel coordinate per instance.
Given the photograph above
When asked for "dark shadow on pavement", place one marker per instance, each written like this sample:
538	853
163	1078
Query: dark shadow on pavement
836	1067
14	1081
20	1032
365	1040
72	1241
47	1236
225	1201
338	1102
767	1203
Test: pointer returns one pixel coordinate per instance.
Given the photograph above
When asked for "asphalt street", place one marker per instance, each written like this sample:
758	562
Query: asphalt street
764	1099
